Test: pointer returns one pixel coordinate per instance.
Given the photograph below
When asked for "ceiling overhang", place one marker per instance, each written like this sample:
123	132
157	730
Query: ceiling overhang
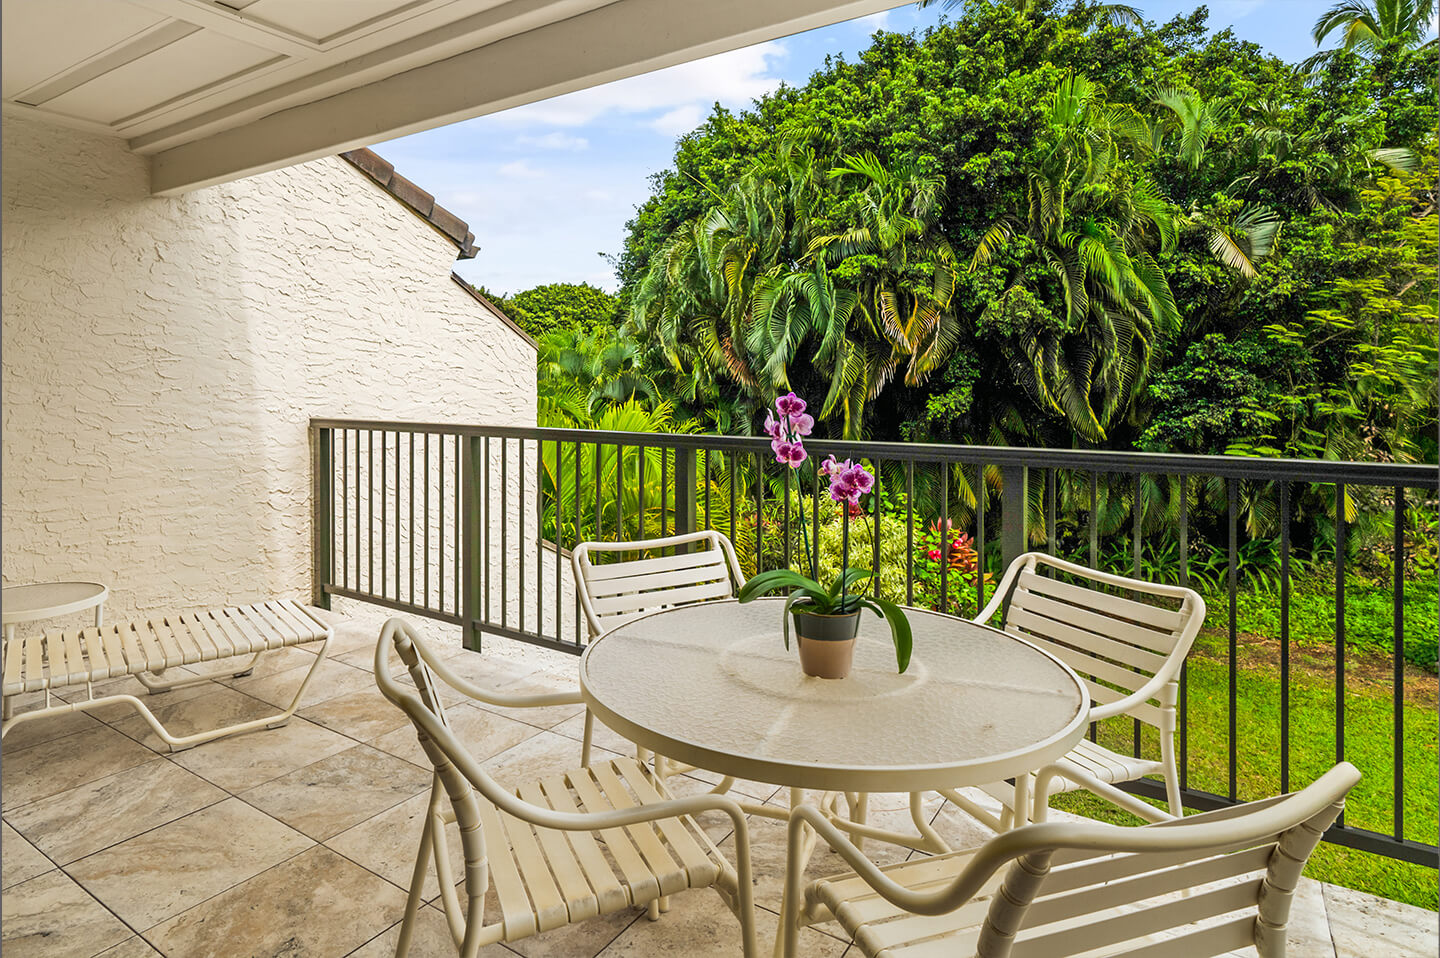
213	91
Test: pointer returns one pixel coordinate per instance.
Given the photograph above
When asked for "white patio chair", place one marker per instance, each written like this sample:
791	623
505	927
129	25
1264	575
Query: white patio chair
1128	653
613	593
1205	885
592	841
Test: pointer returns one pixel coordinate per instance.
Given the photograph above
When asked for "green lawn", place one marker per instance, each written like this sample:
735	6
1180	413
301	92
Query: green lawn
1368	745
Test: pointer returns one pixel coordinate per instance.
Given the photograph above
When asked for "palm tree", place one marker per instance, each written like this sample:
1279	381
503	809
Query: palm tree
1365	28
905	275
1088	227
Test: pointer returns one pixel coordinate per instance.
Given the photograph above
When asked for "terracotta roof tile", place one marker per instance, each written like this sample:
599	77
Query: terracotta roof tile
419	202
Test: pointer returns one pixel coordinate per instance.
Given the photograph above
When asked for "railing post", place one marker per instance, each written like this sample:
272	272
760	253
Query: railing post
322	469
684	491
471	554
1014	511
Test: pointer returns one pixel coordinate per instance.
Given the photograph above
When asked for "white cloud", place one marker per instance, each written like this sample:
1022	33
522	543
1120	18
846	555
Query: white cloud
555	141
680	120
733	78
521	170
875	21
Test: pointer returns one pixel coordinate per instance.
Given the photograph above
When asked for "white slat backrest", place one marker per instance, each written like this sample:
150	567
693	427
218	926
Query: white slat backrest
612	593
1231	889
1115	644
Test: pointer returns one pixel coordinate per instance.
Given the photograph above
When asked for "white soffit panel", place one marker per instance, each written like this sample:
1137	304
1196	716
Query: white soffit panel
217	90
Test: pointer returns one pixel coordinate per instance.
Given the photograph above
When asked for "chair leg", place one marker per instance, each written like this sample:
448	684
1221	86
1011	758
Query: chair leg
652	910
417	882
157	684
585	742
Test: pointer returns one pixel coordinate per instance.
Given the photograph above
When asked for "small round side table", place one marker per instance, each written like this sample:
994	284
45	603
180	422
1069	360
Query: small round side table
46	600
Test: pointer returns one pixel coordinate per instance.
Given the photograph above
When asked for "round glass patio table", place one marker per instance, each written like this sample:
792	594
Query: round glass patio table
47	600
712	684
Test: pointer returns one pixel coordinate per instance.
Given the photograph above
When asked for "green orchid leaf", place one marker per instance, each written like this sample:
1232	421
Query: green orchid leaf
774	580
844	582
899	628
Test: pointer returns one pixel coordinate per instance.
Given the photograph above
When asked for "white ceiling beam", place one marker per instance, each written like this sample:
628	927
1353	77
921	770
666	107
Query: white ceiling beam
236	25
616	41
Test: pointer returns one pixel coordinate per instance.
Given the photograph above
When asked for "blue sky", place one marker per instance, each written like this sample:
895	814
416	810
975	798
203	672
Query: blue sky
547	188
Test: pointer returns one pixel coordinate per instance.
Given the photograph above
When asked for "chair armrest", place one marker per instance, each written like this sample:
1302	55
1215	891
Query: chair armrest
533	700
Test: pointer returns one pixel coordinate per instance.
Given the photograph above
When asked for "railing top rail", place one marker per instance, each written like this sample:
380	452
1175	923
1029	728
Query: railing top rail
1409	475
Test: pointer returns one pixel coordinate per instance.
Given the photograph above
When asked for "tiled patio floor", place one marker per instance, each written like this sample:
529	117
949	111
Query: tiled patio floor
299	841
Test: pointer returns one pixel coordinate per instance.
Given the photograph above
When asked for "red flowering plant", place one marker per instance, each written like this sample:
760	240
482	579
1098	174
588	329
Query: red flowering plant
848	482
961	561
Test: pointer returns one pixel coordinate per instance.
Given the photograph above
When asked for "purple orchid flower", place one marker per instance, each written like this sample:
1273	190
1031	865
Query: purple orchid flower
789	405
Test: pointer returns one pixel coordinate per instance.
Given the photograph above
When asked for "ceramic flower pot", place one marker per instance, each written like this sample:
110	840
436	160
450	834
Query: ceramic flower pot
827	642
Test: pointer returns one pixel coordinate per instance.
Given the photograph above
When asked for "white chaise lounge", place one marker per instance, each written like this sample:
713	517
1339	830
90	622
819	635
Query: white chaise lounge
147	648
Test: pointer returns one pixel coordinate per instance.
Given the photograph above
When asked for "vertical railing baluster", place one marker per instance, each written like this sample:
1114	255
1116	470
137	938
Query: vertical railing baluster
322	514
440	525
576	539
981	495
1050	509
708	523
599	496
370	509
640	493
1138	523
1184	757
521	580
503	503
875	535
786	535
398	526
620	533
1232	495
468	546
1284	636
909	532
345	507
733	460
539	536
1398	677
411	527
384	511
1095	520
455	516
759	517
945	538
815	525
1340	547
425	506
559	533
664	484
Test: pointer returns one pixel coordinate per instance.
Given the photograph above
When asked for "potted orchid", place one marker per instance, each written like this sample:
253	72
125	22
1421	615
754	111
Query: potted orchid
826	618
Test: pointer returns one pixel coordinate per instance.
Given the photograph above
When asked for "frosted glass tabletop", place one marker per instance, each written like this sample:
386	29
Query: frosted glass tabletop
712	684
44	600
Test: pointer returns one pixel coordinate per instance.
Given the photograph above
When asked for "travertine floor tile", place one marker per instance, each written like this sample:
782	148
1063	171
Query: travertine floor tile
430	939
602	735
538	757
332	678
483	732
19	860
699	925
316	903
1309	930
61	764
136	947
52	917
588	937
331	795
387	843
39	730
1363	926
98	814
363	715
217	707
277	661
153	876
238	762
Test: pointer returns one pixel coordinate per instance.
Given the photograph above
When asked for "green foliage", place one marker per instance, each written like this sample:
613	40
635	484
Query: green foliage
561	306
1142	204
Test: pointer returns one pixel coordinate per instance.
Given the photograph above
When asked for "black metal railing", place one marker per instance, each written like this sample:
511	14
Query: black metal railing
471	525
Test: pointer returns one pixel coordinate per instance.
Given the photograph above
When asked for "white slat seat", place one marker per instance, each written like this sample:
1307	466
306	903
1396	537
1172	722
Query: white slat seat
591	841
147	648
1211	884
1127	652
700	567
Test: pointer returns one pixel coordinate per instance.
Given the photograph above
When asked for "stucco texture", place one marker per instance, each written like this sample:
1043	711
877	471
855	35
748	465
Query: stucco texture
162	358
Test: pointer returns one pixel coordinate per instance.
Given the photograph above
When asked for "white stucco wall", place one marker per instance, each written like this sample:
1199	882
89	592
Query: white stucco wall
162	358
